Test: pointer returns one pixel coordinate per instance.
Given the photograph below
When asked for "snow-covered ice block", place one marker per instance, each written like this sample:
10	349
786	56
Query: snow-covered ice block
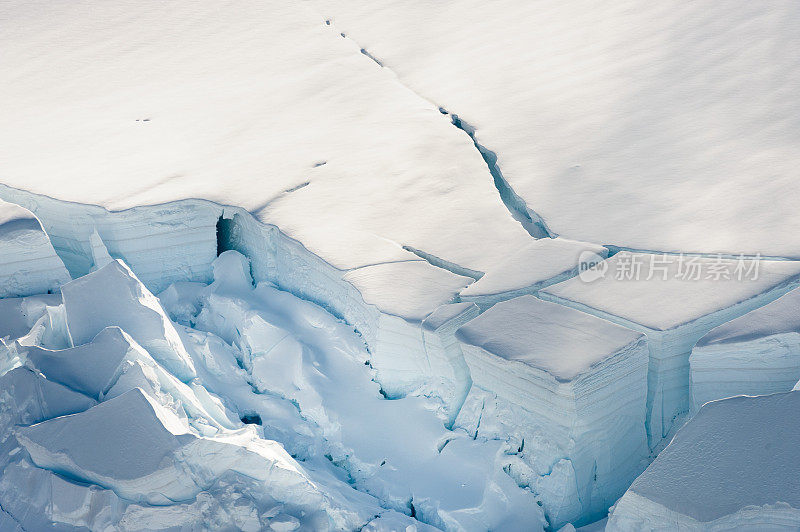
41	500
674	300
146	454
734	466
755	354
28	263
410	290
114	296
569	390
535	266
27	397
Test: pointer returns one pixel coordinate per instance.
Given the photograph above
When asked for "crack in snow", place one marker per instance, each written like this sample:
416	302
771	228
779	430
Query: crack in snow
19	524
282	193
452	267
532	222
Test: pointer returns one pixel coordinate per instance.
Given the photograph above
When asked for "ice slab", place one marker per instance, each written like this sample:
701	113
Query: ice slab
637	125
113	363
778	317
675	300
28	397
569	391
537	265
755	354
114	296
147	455
41	500
91	368
732	467
28	263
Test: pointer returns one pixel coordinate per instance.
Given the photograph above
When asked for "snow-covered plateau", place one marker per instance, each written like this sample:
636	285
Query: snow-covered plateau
399	265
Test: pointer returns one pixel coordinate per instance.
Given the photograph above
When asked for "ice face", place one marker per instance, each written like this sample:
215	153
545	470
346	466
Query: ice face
755	354
28	262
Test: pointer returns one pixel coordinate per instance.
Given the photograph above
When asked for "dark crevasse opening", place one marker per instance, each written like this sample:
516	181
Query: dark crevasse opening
227	234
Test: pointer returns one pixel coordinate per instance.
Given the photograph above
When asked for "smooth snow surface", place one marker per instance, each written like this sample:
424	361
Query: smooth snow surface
537	265
733	466
660	292
779	317
669	126
558	340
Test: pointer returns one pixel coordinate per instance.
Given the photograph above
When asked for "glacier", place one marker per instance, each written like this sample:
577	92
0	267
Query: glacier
353	266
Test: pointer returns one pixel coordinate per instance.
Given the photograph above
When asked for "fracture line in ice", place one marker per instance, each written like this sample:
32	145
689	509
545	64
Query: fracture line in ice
517	207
